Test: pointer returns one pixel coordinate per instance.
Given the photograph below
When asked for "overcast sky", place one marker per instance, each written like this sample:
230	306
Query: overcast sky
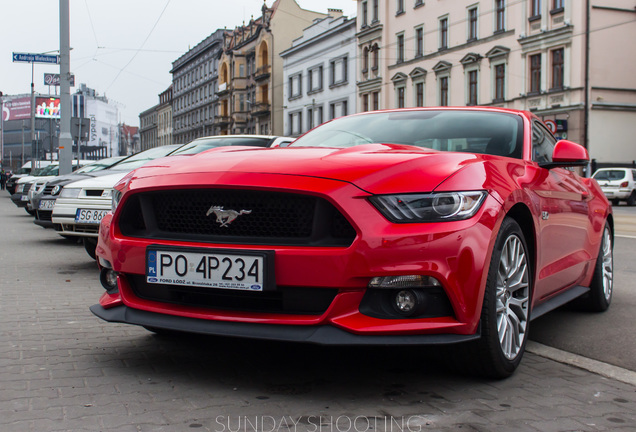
123	49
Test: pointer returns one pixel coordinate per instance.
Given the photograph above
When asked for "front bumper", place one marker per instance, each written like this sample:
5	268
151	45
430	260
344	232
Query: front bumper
64	212
20	199
317	334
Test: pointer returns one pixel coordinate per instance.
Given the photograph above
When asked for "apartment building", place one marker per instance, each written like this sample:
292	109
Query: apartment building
194	87
562	59
250	89
164	117
319	72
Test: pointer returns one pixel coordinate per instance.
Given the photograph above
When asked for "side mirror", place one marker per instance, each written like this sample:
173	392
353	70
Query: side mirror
567	154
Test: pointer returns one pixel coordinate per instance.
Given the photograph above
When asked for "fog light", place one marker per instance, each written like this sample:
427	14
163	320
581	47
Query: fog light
108	278
406	302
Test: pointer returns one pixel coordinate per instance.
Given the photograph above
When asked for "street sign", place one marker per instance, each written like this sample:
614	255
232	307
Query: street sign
36	58
80	128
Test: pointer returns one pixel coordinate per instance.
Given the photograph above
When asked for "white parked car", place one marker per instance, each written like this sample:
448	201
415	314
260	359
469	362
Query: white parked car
82	204
618	184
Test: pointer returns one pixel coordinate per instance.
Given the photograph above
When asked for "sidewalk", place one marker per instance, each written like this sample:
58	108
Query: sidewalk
62	369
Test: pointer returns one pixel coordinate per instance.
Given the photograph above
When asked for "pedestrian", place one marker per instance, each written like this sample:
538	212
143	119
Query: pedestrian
3	179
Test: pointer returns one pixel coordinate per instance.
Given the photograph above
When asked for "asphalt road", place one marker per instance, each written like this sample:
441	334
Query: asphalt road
608	336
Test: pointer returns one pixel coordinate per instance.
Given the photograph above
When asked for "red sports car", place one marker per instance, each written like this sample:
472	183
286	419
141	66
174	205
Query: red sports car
410	226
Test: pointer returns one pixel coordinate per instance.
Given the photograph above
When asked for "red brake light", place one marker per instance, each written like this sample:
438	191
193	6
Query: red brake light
624	184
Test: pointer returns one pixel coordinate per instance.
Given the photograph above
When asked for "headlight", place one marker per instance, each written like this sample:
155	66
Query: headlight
430	207
70	192
116	197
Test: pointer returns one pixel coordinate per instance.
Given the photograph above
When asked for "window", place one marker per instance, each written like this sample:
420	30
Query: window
557	68
500	74
295	123
400	7
314	116
443	91
535	8
400	48
365	60
295	86
400	97
365	14
339	70
376	101
472	24
376	57
542	144
338	109
472	88
375	17
315	79
535	73
558	5
365	102
443	33
419	42
419	94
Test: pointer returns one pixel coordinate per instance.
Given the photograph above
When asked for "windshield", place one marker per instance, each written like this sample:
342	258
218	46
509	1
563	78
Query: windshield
49	170
609	175
99	165
200	145
138	159
449	130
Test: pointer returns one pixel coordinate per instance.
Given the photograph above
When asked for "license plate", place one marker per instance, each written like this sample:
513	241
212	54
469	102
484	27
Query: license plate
46	204
24	198
233	270
89	216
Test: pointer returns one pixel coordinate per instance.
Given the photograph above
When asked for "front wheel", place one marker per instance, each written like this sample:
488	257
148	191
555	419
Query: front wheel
90	245
505	315
599	297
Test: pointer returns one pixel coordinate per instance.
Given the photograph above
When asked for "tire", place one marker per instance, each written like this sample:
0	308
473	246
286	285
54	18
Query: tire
90	244
505	316
31	212
616	202
631	200
600	296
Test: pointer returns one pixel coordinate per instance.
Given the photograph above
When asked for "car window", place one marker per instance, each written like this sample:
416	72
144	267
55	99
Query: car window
201	145
138	159
444	130
542	144
609	175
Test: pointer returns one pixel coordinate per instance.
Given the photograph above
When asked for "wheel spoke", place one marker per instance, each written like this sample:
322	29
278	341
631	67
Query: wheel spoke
512	296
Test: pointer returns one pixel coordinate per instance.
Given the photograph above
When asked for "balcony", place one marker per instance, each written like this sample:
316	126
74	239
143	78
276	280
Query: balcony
221	121
262	73
223	90
260	109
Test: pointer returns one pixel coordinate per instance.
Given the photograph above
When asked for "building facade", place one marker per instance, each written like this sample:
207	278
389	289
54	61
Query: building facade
164	117
319	74
148	129
538	55
250	88
194	87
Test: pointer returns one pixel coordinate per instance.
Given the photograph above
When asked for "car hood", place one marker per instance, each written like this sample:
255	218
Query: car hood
375	168
105	181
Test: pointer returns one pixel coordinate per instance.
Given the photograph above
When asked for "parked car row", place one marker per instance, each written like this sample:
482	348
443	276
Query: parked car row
74	204
446	226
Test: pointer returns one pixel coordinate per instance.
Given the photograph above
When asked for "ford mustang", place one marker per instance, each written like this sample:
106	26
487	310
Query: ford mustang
427	226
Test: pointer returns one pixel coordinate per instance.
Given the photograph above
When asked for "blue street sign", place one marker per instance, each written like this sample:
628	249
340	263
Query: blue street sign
36	58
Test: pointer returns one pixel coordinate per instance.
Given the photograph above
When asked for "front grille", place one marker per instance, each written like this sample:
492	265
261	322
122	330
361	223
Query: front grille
88	229
44	215
287	300
235	216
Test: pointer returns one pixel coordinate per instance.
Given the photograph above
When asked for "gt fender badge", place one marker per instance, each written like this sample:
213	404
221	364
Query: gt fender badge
225	217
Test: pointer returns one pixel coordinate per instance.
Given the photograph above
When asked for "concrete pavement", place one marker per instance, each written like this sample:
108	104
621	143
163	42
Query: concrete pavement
62	369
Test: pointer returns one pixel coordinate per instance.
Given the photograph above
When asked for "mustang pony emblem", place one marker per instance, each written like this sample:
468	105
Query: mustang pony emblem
225	217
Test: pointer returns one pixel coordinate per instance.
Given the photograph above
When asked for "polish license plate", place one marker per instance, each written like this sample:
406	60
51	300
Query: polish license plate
211	268
46	204
24	198
89	216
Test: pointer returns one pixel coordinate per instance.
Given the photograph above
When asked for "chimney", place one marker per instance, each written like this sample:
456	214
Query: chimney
334	13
